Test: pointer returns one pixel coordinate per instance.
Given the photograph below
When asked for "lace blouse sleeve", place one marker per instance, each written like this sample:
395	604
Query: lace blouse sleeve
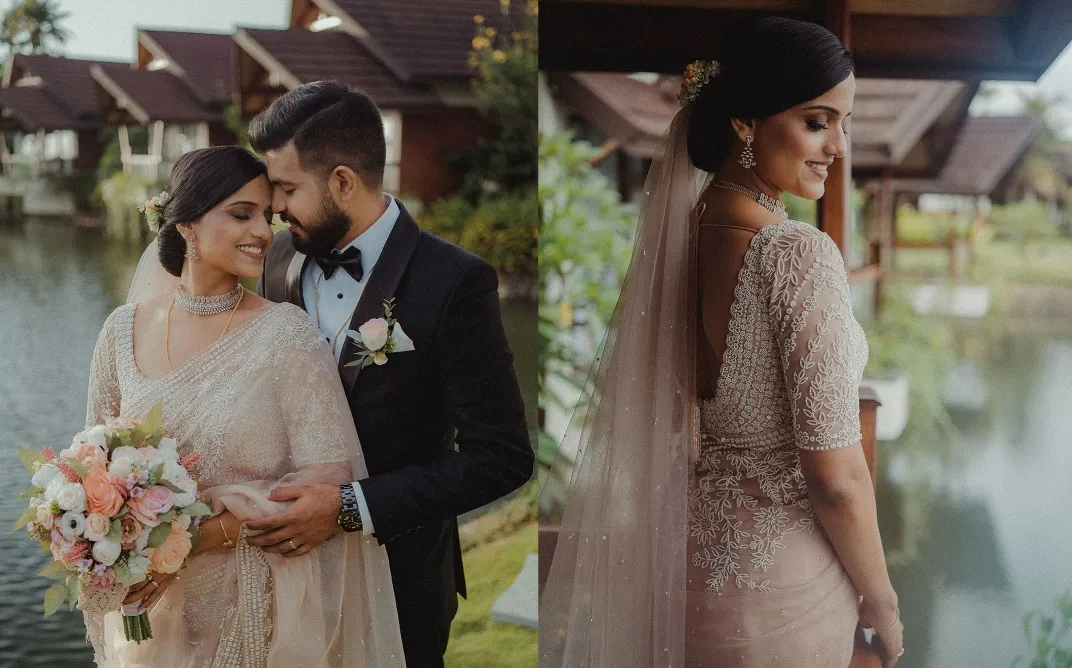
320	428
811	311
103	401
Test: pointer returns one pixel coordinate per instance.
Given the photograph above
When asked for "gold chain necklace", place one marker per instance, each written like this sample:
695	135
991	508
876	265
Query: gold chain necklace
316	312
167	328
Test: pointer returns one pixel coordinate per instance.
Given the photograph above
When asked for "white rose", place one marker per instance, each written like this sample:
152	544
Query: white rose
374	333
69	495
174	473
45	475
168	447
72	524
106	552
44	516
97	436
127	452
122	467
186	497
138	566
97	526
68	453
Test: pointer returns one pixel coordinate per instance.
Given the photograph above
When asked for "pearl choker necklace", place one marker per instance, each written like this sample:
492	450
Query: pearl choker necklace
199	305
769	203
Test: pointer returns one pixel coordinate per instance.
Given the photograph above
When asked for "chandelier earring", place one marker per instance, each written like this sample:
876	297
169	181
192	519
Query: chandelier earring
748	158
191	252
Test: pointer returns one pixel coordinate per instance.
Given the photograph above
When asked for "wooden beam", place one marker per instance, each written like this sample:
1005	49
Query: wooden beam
835	207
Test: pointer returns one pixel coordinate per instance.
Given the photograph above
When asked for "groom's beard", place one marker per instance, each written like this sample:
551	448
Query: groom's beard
321	235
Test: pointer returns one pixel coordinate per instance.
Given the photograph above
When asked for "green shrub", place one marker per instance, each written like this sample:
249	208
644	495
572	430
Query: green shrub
502	230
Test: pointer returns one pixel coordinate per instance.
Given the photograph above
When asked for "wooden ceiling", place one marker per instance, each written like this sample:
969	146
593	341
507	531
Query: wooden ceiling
968	40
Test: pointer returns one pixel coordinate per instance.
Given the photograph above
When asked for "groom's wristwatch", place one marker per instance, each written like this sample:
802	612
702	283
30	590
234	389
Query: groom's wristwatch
350	515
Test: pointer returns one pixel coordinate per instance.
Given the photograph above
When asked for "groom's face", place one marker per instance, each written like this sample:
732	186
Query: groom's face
305	203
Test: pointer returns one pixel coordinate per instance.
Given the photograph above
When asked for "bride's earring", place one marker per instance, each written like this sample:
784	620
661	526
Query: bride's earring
748	159
191	252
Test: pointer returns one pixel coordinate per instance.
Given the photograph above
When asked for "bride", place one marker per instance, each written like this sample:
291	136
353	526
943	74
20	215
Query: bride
252	386
720	513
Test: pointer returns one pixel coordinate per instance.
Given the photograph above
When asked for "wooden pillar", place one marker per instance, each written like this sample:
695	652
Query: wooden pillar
836	205
886	213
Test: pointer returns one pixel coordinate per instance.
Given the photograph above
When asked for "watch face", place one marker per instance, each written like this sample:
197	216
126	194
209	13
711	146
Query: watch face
350	522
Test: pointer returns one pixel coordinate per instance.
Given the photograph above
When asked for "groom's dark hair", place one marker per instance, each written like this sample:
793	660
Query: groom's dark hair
331	123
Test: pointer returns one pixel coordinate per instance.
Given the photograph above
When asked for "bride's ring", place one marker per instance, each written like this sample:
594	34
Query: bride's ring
154	582
291	544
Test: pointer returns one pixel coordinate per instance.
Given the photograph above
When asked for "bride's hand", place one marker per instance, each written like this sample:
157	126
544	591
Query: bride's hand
885	619
149	590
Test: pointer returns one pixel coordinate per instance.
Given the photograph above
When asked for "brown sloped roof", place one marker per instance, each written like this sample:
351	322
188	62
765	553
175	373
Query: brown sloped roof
160	95
987	148
905	125
206	60
430	39
32	108
68	79
313	56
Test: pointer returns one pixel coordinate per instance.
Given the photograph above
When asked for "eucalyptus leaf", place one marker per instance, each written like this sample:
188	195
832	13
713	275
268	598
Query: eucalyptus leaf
32	490
27	516
158	535
122	573
154	421
30	457
54	571
54	598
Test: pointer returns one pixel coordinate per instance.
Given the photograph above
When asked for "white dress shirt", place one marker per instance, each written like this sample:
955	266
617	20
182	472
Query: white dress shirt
338	296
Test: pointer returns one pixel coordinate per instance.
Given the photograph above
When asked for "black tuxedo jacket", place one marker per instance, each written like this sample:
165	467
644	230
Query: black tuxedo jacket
442	427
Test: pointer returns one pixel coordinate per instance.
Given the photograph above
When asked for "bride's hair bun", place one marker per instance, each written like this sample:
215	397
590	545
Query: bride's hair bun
199	181
766	67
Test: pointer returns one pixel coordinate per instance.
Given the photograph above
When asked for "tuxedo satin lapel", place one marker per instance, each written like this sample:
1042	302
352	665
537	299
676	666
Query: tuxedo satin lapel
381	286
293	279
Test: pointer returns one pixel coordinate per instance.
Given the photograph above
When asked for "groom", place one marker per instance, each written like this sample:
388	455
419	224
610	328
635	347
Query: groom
441	419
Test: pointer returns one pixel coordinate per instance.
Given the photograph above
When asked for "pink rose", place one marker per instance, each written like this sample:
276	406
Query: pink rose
105	492
97	526
90	455
168	557
374	333
101	582
132	529
60	545
148	507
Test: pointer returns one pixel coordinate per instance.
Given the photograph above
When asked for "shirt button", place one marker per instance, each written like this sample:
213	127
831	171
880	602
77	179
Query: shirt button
340	295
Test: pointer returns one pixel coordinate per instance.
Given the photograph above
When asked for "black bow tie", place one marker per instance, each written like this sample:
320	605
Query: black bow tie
349	260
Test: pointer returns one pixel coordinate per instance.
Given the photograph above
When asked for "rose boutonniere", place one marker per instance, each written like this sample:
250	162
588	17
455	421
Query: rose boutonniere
378	338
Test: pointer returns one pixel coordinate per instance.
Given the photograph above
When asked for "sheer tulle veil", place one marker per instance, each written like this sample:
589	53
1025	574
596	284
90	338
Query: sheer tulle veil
615	593
151	279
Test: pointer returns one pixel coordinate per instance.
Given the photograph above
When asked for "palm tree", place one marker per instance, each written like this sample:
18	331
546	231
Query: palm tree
33	25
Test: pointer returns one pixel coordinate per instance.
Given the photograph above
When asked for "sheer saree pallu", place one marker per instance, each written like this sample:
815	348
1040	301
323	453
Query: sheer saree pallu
265	407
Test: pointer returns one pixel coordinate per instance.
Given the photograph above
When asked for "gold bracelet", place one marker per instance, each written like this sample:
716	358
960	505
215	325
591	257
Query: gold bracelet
227	542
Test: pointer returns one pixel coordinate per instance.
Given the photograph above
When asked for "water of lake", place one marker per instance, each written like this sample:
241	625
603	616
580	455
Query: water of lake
58	283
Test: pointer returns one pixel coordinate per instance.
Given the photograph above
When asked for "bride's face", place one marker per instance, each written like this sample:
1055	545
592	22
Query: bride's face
233	236
793	149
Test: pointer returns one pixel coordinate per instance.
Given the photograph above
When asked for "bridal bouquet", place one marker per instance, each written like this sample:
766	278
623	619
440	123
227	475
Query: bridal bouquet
117	503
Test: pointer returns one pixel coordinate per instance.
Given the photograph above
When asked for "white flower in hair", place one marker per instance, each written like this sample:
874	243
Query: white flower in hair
154	210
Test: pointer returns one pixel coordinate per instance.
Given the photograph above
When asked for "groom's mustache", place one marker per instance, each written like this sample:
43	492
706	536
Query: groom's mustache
289	219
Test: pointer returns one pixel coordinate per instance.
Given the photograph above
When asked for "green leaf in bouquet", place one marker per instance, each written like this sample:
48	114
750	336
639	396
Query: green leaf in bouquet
135	437
158	472
168	517
74	590
30	457
115	531
78	467
54	598
114	441
122	572
46	545
195	537
154	421
173	488
27	516
158	535
55	571
197	509
32	490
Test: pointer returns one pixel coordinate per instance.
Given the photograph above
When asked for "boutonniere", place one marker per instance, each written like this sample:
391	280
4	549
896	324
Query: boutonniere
378	338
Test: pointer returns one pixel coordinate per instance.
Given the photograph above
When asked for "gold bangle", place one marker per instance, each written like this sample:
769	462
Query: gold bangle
227	542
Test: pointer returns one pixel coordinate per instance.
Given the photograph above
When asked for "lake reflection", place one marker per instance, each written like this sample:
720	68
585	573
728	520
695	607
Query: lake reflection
57	285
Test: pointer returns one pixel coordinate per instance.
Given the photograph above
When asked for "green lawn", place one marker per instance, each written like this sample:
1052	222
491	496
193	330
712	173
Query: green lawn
477	641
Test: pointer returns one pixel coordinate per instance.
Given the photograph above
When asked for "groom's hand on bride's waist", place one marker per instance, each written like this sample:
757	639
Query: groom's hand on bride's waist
311	520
